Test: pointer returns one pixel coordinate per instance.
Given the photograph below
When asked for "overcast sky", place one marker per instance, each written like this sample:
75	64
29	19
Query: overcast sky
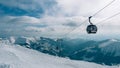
55	18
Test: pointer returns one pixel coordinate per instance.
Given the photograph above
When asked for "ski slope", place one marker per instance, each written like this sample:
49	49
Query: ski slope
15	56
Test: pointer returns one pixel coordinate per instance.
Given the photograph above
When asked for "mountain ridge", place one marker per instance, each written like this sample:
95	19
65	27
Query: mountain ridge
75	49
16	56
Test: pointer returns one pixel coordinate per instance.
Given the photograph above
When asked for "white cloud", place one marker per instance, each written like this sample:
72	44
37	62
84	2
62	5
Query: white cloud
29	4
62	17
33	29
26	19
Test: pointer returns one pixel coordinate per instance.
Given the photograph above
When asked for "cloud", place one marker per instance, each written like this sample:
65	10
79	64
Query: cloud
71	24
55	18
38	29
35	8
25	19
33	29
29	4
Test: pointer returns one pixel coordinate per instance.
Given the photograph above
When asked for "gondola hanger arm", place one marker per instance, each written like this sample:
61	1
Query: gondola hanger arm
90	20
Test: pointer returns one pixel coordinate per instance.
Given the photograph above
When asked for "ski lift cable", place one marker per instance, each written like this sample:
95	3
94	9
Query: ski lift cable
103	8
91	16
108	18
67	33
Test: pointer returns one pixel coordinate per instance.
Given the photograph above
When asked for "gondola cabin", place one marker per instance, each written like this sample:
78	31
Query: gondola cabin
91	29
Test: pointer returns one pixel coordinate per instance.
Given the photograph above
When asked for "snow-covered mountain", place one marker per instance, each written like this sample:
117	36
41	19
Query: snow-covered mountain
45	45
15	56
111	46
103	52
51	46
107	51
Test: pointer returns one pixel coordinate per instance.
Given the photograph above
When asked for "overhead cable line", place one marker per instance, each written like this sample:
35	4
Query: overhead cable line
90	16
103	8
108	18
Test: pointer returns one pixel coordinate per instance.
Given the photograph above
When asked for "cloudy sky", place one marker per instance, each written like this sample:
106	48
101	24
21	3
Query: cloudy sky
55	18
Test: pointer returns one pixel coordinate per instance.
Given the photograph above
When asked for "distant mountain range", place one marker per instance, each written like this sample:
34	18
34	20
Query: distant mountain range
103	52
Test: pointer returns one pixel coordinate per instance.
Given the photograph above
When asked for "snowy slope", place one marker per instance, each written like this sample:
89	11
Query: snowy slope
20	57
106	51
111	46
